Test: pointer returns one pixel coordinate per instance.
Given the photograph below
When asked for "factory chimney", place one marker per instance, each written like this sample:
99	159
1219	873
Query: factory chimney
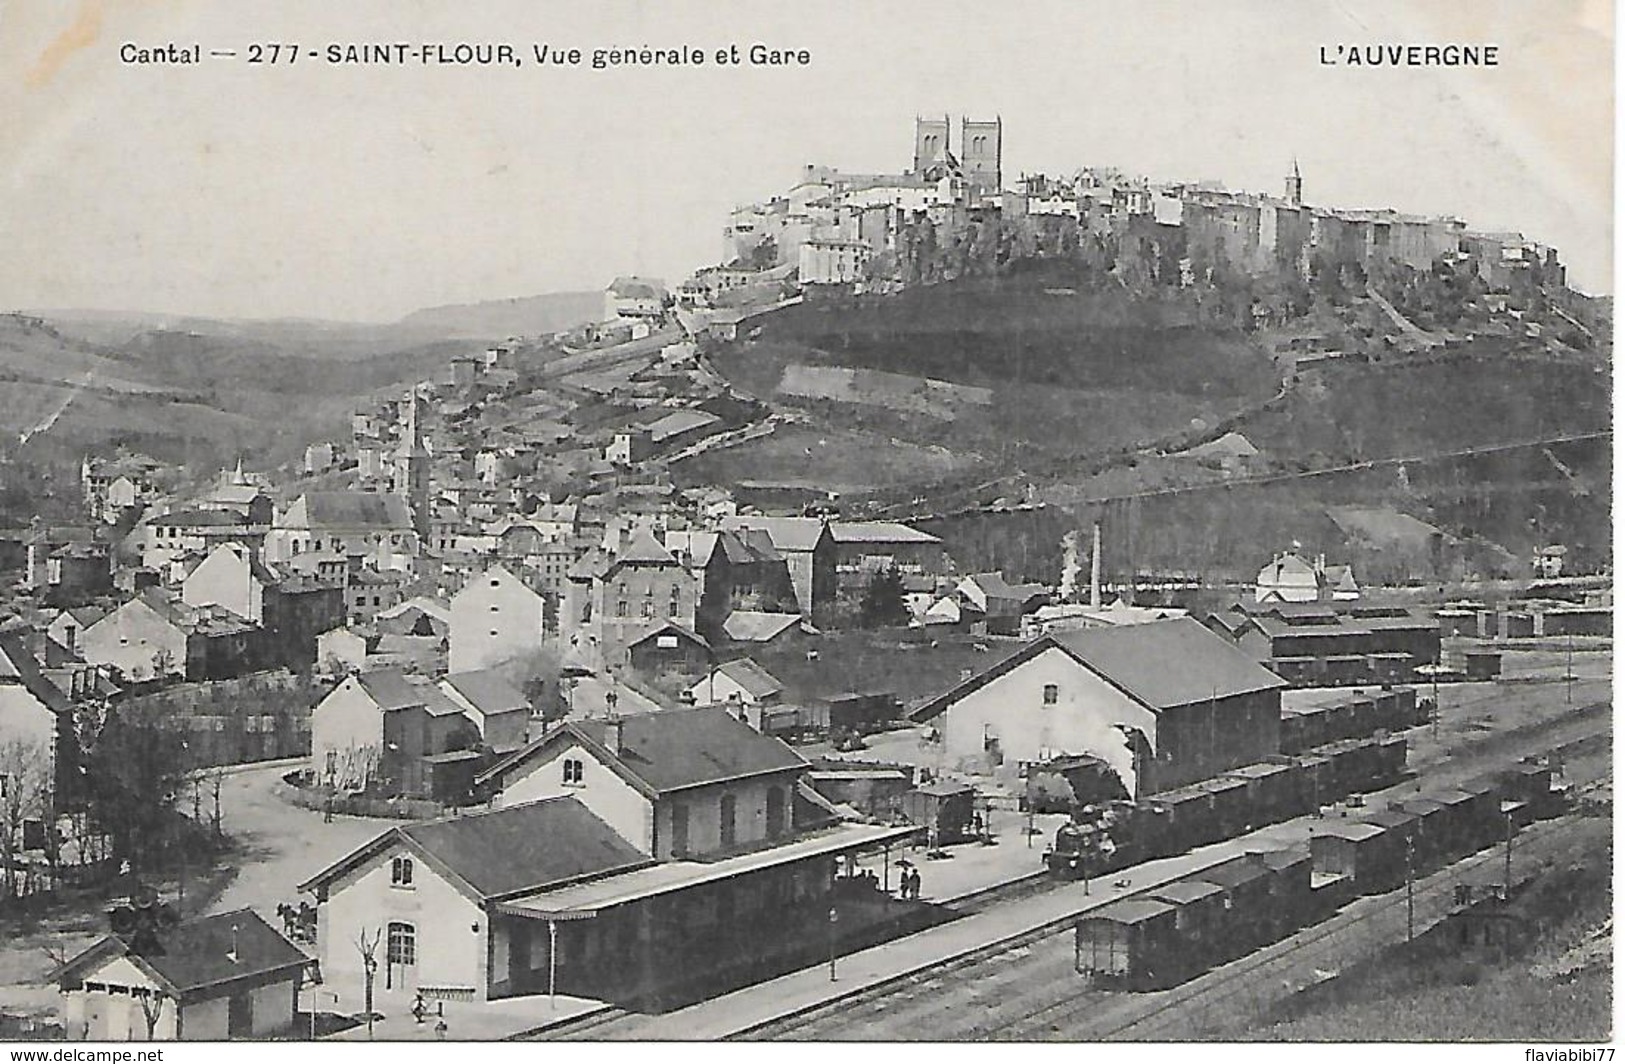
1094	571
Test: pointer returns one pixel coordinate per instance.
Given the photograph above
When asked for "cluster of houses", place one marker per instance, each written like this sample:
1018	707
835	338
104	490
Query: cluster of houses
671	835
830	227
674	825
519	616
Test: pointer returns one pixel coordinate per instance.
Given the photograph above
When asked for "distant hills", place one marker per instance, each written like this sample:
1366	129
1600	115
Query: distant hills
314	337
499	318
201	391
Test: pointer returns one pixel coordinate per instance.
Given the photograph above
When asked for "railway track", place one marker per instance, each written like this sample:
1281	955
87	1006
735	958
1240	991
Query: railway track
997	967
1581	735
1258	979
581	1028
1031	992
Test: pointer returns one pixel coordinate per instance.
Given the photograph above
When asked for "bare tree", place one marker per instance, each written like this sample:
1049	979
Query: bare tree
368	948
25	795
216	778
152	1010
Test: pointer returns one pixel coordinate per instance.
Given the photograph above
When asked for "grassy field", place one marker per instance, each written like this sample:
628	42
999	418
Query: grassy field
1378	411
1070	375
822	459
1434	990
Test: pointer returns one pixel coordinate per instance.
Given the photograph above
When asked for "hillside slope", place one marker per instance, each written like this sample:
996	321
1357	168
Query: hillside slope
1022	371
500	318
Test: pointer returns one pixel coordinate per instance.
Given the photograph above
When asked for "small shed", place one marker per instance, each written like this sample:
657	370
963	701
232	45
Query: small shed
946	806
230	975
670	648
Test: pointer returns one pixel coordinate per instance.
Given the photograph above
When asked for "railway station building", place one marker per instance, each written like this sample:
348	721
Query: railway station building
642	861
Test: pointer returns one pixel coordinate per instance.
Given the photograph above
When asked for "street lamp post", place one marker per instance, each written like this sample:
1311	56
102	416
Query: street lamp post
552	963
834	918
1507	878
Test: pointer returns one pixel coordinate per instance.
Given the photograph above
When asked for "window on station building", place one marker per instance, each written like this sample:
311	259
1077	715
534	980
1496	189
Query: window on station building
403	943
400	872
1052	694
574	770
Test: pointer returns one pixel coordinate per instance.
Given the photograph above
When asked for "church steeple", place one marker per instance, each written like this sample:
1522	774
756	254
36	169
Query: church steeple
1294	185
412	467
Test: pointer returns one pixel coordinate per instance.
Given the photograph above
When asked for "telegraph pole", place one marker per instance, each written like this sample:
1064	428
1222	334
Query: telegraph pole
1568	671
1507	878
1410	894
834	917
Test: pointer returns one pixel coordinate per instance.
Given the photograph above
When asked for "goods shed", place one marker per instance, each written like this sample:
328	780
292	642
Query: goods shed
944	808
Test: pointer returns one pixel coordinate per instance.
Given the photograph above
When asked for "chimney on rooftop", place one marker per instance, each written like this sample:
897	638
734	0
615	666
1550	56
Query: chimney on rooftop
614	732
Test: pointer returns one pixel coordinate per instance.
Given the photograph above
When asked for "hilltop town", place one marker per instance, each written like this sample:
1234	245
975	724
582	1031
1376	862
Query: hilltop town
880	537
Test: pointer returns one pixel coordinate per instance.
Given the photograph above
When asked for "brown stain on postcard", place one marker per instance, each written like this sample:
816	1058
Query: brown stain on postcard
81	34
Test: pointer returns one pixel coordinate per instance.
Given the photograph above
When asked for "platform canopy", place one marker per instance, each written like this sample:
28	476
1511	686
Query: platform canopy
584	900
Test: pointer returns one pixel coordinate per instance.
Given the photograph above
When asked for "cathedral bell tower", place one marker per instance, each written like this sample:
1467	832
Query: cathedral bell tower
1294	186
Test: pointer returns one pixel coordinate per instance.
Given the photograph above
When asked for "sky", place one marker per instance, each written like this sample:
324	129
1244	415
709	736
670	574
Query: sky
366	192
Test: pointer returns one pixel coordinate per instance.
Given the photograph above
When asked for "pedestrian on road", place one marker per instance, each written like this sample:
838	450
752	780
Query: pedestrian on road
327	810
